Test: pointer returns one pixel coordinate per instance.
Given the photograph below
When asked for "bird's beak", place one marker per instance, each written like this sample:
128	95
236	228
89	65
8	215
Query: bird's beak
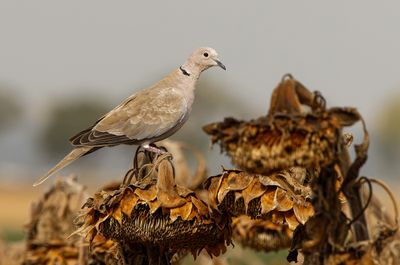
220	64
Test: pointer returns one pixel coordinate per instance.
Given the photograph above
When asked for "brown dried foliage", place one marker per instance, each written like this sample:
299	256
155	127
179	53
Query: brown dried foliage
288	136
278	142
280	198
12	253
51	224
295	173
262	235
155	213
297	132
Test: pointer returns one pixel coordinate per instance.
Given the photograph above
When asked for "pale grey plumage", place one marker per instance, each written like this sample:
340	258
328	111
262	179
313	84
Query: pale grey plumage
148	116
140	118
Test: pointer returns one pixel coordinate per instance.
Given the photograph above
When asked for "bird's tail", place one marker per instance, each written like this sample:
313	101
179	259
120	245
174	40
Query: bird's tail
68	159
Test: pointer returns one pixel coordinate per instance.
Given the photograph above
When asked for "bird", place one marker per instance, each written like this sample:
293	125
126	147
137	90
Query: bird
146	117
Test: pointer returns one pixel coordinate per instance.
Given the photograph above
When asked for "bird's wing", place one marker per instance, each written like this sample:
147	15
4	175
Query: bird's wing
144	116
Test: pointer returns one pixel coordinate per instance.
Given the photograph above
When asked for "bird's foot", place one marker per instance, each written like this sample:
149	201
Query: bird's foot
154	149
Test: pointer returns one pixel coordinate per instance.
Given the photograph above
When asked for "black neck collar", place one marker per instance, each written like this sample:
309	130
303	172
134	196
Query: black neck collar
184	71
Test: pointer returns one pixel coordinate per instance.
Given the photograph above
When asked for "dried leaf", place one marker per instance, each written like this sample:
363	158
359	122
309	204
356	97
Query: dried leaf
303	211
224	188
170	200
268	202
239	181
128	202
117	215
183	191
166	189
283	200
201	207
183	212
291	220
270	180
166	182
254	190
147	195
346	116
154	206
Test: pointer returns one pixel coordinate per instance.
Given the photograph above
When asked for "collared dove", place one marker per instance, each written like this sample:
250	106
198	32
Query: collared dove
146	117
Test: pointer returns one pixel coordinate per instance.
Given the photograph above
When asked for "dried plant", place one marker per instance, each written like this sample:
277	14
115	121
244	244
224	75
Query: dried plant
51	224
278	197
295	176
299	131
153	218
262	235
288	136
12	253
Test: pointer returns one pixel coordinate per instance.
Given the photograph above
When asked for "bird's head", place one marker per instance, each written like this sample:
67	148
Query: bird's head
205	58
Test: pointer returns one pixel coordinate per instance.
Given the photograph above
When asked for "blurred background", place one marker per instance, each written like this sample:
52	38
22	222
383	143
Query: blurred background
64	64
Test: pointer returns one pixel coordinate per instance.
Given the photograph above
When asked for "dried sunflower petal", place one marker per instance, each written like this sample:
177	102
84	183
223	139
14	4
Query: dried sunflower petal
303	211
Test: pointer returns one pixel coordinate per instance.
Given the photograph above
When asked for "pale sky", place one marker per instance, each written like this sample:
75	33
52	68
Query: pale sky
348	50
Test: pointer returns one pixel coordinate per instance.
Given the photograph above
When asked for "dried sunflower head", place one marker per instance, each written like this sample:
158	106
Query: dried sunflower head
279	142
157	214
277	204
280	198
288	136
262	235
51	224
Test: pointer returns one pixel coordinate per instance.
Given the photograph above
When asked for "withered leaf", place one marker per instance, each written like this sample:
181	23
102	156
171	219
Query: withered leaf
166	188
212	184
183	212
268	202
201	207
170	200
239	181
346	116
117	214
303	211
183	191
128	202
154	205
254	190
269	180
224	188
291	220
147	195
283	200
165	180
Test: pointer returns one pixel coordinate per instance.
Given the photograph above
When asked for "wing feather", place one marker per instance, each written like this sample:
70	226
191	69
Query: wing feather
144	116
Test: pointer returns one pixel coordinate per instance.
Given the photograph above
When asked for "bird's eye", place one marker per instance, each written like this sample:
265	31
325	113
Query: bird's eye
205	54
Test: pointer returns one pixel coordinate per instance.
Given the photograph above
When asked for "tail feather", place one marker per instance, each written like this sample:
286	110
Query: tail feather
68	159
